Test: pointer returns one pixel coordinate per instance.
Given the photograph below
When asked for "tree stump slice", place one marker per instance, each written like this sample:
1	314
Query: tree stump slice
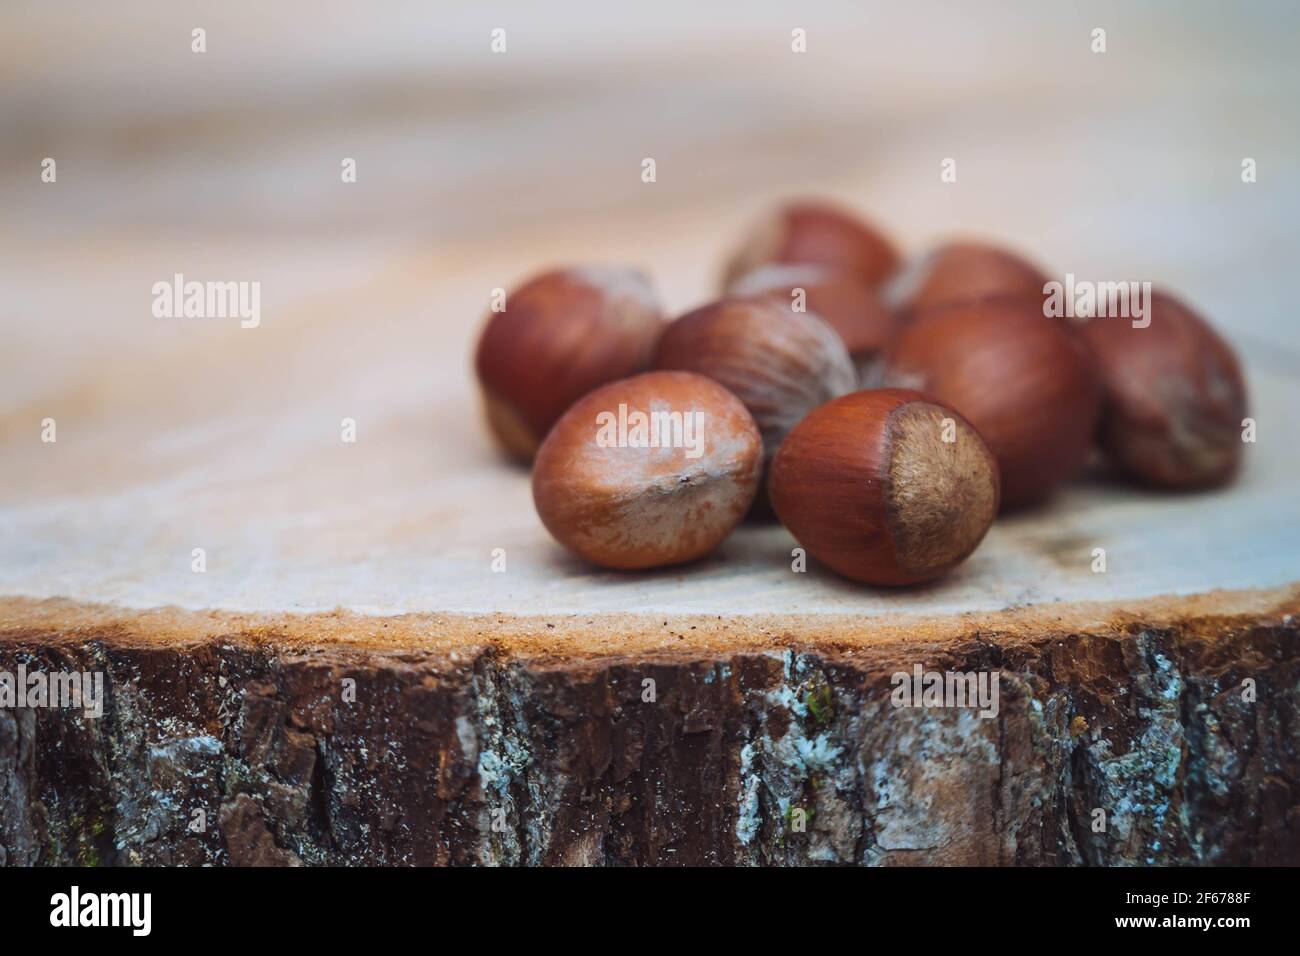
203	535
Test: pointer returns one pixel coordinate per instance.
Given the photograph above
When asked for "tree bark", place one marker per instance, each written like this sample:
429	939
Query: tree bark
1124	742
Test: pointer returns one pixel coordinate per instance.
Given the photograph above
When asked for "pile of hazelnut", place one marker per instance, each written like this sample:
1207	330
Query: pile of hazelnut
884	412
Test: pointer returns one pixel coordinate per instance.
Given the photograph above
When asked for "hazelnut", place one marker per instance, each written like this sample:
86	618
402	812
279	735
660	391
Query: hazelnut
780	364
886	486
851	307
960	272
562	333
651	470
1024	380
820	234
1174	396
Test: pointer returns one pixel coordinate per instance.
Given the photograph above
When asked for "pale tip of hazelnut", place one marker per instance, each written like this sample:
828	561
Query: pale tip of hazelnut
941	495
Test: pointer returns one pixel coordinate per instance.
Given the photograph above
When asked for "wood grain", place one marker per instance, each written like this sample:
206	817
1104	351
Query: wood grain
176	434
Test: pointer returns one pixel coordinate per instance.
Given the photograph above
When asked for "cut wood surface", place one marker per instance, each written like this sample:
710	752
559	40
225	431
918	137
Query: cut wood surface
565	639
473	172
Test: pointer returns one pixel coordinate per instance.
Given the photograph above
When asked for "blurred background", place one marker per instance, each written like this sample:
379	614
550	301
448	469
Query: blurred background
475	169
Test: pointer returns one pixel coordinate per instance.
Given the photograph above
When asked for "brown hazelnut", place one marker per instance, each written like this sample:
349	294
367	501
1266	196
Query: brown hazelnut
885	486
816	233
780	364
562	333
1174	396
648	471
960	272
851	307
1024	380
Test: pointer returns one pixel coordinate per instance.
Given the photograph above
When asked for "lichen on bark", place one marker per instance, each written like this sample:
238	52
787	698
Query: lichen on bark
238	751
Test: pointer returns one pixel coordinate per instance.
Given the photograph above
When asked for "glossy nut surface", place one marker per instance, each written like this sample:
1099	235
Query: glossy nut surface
1175	397
963	272
886	486
780	364
1025	381
855	310
562	334
818	233
631	492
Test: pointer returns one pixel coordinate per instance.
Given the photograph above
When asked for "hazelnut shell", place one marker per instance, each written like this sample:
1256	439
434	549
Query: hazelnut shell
1024	380
628	505
1175	396
962	272
817	233
780	364
855	310
870	486
563	333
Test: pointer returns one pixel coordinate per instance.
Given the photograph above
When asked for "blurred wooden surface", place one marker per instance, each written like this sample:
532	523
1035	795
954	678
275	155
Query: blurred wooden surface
475	170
